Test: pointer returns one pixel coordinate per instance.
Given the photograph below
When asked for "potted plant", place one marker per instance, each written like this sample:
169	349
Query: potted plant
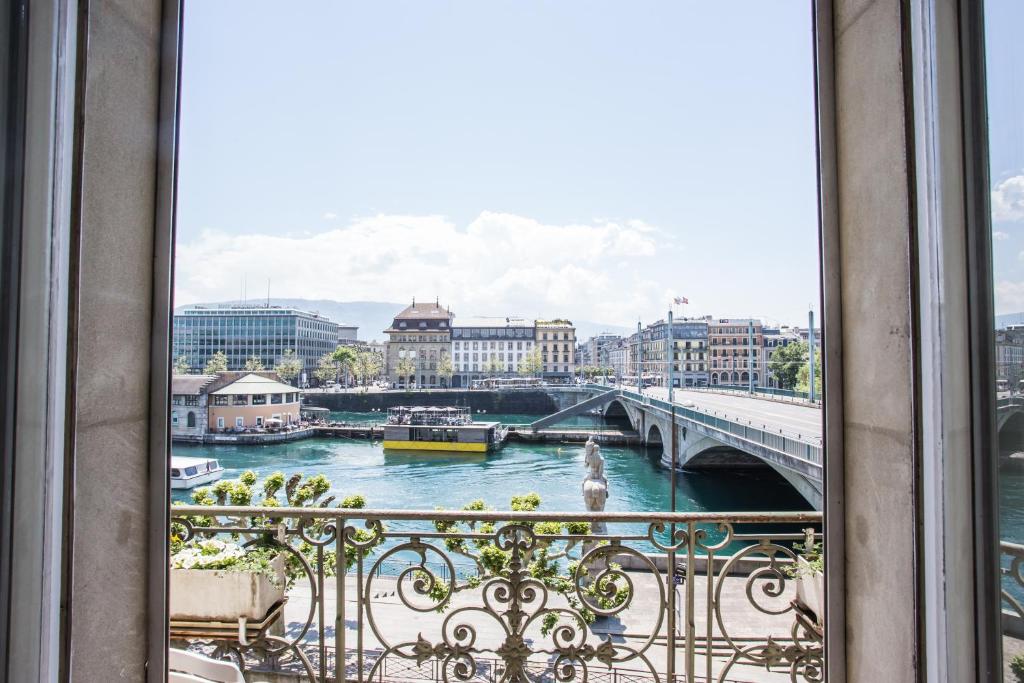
214	580
808	570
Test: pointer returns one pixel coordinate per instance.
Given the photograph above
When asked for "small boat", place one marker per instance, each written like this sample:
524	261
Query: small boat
187	473
443	429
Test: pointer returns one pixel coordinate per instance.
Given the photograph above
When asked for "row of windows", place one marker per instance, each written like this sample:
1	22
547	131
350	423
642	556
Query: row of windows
492	332
236	399
436	338
499	345
554	336
484	356
554	347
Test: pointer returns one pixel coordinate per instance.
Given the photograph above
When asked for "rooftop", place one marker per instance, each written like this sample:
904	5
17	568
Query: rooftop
427	311
190	384
255	384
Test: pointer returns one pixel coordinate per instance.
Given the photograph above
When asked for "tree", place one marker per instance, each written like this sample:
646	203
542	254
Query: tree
531	365
289	367
181	366
445	369
343	358
325	370
254	364
218	362
494	366
405	368
803	375
785	363
550	559
366	366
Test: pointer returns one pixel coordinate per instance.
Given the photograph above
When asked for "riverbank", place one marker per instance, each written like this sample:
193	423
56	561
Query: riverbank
522	401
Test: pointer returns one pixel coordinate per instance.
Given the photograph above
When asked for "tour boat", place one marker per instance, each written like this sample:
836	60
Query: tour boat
187	473
444	429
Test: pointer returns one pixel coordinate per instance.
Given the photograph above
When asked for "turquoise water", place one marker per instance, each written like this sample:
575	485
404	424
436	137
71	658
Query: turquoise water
424	481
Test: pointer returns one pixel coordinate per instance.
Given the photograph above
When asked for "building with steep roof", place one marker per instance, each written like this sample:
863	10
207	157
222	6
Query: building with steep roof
419	339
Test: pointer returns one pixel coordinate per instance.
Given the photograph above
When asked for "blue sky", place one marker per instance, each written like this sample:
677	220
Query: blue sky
586	159
1005	66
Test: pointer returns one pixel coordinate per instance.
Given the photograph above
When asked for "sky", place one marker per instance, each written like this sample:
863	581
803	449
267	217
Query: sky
578	158
1005	74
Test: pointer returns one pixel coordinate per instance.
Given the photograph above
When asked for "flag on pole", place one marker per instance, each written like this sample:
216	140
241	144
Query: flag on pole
681	300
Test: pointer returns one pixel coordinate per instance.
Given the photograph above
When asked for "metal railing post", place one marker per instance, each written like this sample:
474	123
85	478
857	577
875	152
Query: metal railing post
691	561
339	601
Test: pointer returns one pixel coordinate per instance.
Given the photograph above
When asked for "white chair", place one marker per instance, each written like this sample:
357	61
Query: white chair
189	667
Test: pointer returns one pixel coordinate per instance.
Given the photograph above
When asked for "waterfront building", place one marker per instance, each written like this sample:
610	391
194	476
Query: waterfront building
594	351
489	347
619	356
689	353
556	340
418	339
241	332
203	404
1010	356
733	361
347	333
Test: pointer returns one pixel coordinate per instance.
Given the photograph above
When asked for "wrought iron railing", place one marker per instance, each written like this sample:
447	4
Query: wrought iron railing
480	595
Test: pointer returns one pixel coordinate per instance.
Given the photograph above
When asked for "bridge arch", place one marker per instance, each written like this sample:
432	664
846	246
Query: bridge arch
654	437
1011	432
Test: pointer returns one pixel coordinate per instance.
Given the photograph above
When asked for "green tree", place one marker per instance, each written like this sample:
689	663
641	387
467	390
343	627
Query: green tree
445	369
531	365
552	561
494	366
181	366
405	368
366	366
344	358
325	369
785	363
254	364
289	367
218	362
803	375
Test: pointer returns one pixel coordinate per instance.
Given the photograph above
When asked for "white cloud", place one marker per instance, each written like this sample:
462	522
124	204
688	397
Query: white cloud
330	216
1009	297
999	235
1008	200
498	264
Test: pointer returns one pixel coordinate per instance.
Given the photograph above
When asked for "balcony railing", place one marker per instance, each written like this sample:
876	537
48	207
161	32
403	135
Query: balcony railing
478	595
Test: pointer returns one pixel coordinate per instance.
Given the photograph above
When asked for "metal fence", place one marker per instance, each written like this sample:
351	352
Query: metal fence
608	597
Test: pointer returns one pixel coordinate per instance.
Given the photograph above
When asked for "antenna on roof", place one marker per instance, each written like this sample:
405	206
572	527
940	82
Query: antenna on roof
268	292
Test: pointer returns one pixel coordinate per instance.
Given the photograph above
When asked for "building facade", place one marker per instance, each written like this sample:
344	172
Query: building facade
241	332
228	401
737	352
419	339
619	356
1010	357
556	340
489	347
594	351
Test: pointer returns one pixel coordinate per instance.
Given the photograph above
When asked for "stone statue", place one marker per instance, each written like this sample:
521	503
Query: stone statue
595	486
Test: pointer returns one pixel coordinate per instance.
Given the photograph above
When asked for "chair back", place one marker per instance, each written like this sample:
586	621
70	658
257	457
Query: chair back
200	668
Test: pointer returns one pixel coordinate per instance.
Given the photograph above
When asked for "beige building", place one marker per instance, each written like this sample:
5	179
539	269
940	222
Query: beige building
202	404
418	340
556	340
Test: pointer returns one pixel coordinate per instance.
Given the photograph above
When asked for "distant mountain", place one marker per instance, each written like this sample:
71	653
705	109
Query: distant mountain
373	317
1009	319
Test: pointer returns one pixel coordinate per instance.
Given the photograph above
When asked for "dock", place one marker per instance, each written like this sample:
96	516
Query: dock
375	431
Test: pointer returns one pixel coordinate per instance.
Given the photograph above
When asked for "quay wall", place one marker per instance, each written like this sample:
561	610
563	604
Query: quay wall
526	402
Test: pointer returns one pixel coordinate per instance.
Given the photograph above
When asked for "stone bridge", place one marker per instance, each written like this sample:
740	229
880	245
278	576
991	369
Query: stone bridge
707	438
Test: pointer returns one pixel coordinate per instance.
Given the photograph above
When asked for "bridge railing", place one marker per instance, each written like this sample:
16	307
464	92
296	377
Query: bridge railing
798	447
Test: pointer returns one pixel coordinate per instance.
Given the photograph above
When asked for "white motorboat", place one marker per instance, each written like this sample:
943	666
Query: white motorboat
187	473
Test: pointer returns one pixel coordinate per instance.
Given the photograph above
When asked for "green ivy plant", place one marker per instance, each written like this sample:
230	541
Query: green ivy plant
813	564
1017	667
554	566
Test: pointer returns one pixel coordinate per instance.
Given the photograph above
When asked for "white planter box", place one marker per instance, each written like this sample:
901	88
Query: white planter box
810	591
222	595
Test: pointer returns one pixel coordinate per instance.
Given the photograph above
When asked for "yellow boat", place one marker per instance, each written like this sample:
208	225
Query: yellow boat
446	429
